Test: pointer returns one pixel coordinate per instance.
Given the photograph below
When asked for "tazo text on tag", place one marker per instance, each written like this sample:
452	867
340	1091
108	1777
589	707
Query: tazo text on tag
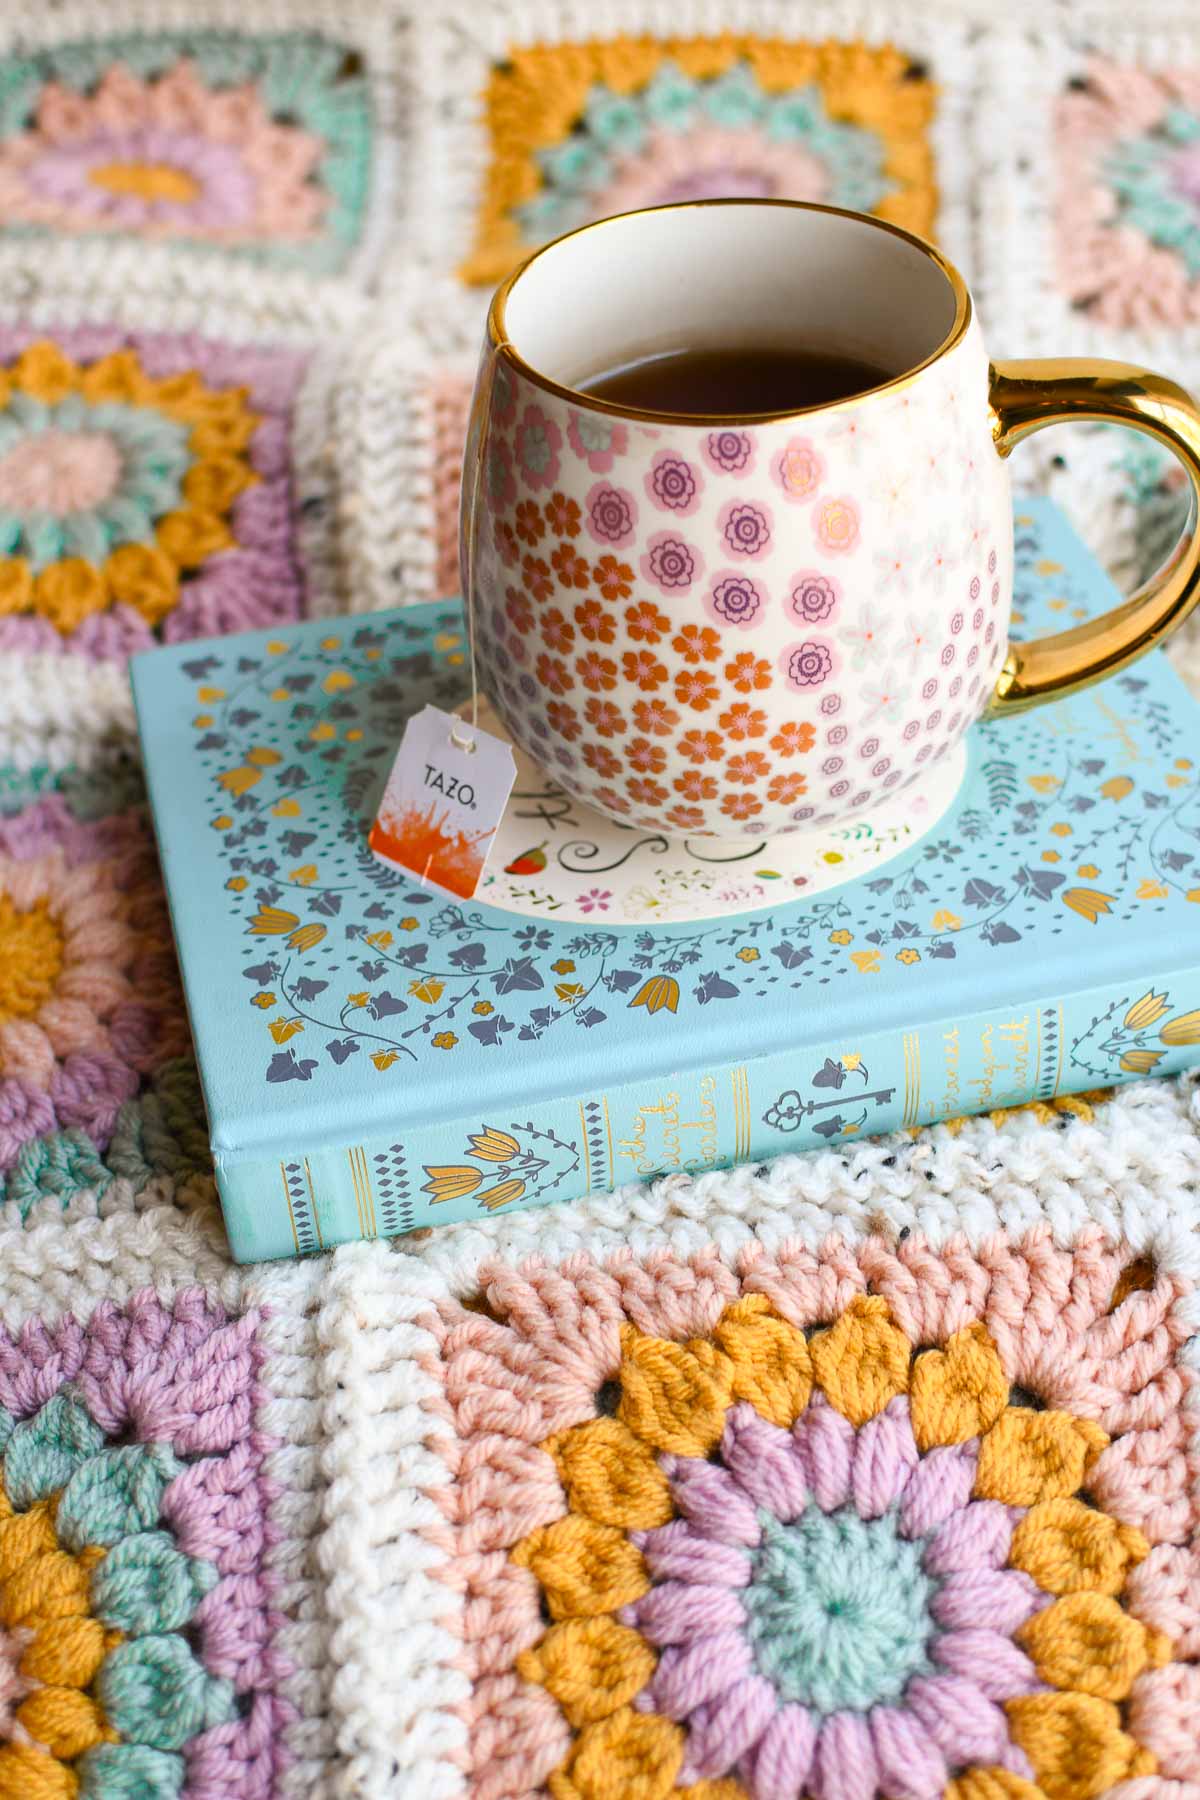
443	801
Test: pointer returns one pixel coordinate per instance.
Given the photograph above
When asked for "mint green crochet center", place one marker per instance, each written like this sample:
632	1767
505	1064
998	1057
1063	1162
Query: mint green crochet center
838	1610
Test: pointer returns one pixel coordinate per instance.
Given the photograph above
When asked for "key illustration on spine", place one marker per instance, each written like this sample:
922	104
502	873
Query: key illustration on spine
791	1109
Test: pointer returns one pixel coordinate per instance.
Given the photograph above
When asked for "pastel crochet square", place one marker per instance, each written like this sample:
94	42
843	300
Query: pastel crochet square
258	145
577	130
146	489
875	1519
137	1616
96	1077
1127	193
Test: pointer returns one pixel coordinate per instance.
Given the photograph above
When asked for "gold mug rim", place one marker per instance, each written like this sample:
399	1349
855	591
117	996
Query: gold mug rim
503	347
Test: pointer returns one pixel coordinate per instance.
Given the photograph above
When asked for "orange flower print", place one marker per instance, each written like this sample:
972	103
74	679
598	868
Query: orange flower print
505	541
749	767
558	633
597	673
748	672
793	739
644	792
605	718
553	675
563	515
694	785
697	643
695	688
520	613
643	668
564	720
644	622
645	757
686	818
613	577
570	567
836	524
783	789
530	529
655	717
537	576
742	721
701	746
595	623
611	800
600	759
740	806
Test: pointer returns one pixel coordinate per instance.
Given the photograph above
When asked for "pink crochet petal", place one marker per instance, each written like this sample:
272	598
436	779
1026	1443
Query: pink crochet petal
725	1729
993	1662
939	1486
978	1537
765	1461
677	1612
885	1454
966	1726
679	1552
825	1441
1000	1598
910	1766
710	1497
691	1674
778	1767
844	1765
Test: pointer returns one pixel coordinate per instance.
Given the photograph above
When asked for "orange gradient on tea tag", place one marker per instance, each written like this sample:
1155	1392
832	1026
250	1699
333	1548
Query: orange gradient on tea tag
443	801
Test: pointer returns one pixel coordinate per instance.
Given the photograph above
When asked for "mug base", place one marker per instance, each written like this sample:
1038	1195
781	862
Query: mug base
553	856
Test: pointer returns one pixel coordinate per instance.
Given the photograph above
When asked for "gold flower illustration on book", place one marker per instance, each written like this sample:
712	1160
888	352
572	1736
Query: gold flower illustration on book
518	1162
1137	1035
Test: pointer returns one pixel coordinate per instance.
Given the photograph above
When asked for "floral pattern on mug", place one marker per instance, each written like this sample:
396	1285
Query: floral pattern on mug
502	483
504	396
612	514
729	452
670	562
798	469
673	484
538	443
735	600
596	439
809	664
836	525
745	526
813	596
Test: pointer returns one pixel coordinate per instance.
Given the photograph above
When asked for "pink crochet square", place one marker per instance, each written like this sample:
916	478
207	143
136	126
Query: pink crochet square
137	1615
848	1523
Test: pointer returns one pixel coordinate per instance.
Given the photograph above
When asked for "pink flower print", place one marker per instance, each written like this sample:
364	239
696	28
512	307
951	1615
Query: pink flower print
813	596
798	469
836	525
504	395
736	600
538	443
595	900
596	439
746	528
673	484
501	482
612	514
729	452
671	563
808	664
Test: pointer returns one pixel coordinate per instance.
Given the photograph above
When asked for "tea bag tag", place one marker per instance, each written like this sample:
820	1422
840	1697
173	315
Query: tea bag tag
444	798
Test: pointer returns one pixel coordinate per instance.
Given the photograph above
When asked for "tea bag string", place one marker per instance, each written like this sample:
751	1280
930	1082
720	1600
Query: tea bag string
482	401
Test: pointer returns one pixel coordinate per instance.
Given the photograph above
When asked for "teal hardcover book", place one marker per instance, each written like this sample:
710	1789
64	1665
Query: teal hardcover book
376	1056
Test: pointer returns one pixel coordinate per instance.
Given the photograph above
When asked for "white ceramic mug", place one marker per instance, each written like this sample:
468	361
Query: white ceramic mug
749	624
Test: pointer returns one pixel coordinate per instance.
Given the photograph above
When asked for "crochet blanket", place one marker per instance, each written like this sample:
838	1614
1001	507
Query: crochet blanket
869	1473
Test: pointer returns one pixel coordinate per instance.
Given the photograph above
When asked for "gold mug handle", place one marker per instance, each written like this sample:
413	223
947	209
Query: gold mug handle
1025	397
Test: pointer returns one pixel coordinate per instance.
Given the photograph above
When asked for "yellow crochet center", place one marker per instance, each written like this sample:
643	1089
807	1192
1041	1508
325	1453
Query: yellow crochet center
31	956
146	181
535	97
674	1396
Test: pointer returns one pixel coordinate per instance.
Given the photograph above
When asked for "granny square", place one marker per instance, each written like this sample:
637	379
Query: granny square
534	126
894	1515
137	1605
152	488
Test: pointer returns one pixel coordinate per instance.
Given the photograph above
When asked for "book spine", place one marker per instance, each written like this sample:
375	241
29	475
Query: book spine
858	1085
